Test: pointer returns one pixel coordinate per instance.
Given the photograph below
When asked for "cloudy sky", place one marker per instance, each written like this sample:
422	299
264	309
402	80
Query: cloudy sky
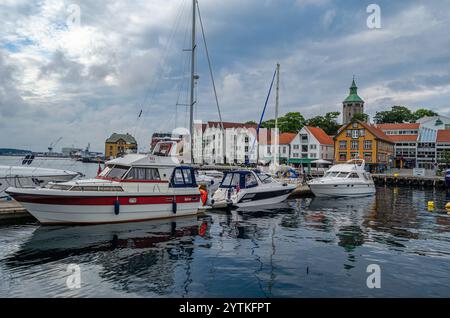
84	69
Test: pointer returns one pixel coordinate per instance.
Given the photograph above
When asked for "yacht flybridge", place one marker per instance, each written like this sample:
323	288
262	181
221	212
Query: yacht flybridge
344	180
245	188
132	188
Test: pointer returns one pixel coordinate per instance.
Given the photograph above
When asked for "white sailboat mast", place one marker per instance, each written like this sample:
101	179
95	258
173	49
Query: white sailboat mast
277	135
193	77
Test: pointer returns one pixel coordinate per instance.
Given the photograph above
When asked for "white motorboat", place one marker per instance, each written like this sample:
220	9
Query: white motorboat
245	188
210	180
25	177
344	180
133	188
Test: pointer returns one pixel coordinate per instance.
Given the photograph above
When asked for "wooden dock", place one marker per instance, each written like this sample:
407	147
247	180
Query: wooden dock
10	210
301	191
409	180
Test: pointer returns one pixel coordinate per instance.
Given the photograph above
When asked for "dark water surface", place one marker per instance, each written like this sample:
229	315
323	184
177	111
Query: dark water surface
303	248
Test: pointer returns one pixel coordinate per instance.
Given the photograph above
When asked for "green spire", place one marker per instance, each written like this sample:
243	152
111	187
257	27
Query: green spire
353	97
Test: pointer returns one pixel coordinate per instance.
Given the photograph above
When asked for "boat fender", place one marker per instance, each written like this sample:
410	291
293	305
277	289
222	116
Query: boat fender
204	196
117	206
174	206
447	206
430	206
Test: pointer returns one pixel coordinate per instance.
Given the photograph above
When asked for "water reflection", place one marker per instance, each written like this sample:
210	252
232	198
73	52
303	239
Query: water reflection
307	247
127	253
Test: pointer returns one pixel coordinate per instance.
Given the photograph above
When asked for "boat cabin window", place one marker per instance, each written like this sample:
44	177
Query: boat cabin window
143	174
95	188
353	176
332	174
58	187
183	177
250	181
265	178
342	175
231	180
114	172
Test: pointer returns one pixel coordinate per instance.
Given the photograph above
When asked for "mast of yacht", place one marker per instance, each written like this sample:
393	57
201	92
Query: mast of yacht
193	78
277	135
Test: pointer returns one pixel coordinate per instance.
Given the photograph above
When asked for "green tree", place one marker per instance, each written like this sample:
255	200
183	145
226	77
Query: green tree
291	122
268	124
251	122
328	122
422	112
360	117
397	114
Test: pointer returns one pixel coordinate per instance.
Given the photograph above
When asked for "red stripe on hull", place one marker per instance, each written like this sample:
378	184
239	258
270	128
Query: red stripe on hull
128	200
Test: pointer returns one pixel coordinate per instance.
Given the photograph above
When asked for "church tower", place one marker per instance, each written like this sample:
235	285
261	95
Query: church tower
352	105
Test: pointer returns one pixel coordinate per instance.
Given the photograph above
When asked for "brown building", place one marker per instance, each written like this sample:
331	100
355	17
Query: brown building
360	140
120	144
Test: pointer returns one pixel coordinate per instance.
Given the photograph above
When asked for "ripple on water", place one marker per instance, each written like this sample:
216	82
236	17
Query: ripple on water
304	248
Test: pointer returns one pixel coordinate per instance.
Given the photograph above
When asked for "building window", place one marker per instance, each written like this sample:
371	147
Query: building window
246	139
296	147
362	132
349	132
313	147
367	144
355	134
368	157
343	145
343	156
355	125
354	155
354	145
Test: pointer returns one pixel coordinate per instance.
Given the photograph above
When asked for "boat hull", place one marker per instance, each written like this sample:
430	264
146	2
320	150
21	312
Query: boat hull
53	210
262	202
342	190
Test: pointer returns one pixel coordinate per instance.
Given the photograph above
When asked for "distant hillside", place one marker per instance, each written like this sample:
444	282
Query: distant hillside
14	152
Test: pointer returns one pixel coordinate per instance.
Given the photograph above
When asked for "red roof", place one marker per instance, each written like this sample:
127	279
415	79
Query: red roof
398	126
228	125
285	138
443	136
398	138
377	132
321	135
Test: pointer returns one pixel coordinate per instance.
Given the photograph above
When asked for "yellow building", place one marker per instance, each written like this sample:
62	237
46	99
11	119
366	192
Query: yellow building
364	141
119	144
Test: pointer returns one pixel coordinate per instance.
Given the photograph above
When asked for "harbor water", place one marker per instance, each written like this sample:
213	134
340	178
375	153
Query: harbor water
302	248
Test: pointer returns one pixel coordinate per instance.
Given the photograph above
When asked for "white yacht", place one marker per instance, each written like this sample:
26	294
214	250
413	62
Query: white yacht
133	188
245	188
344	180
